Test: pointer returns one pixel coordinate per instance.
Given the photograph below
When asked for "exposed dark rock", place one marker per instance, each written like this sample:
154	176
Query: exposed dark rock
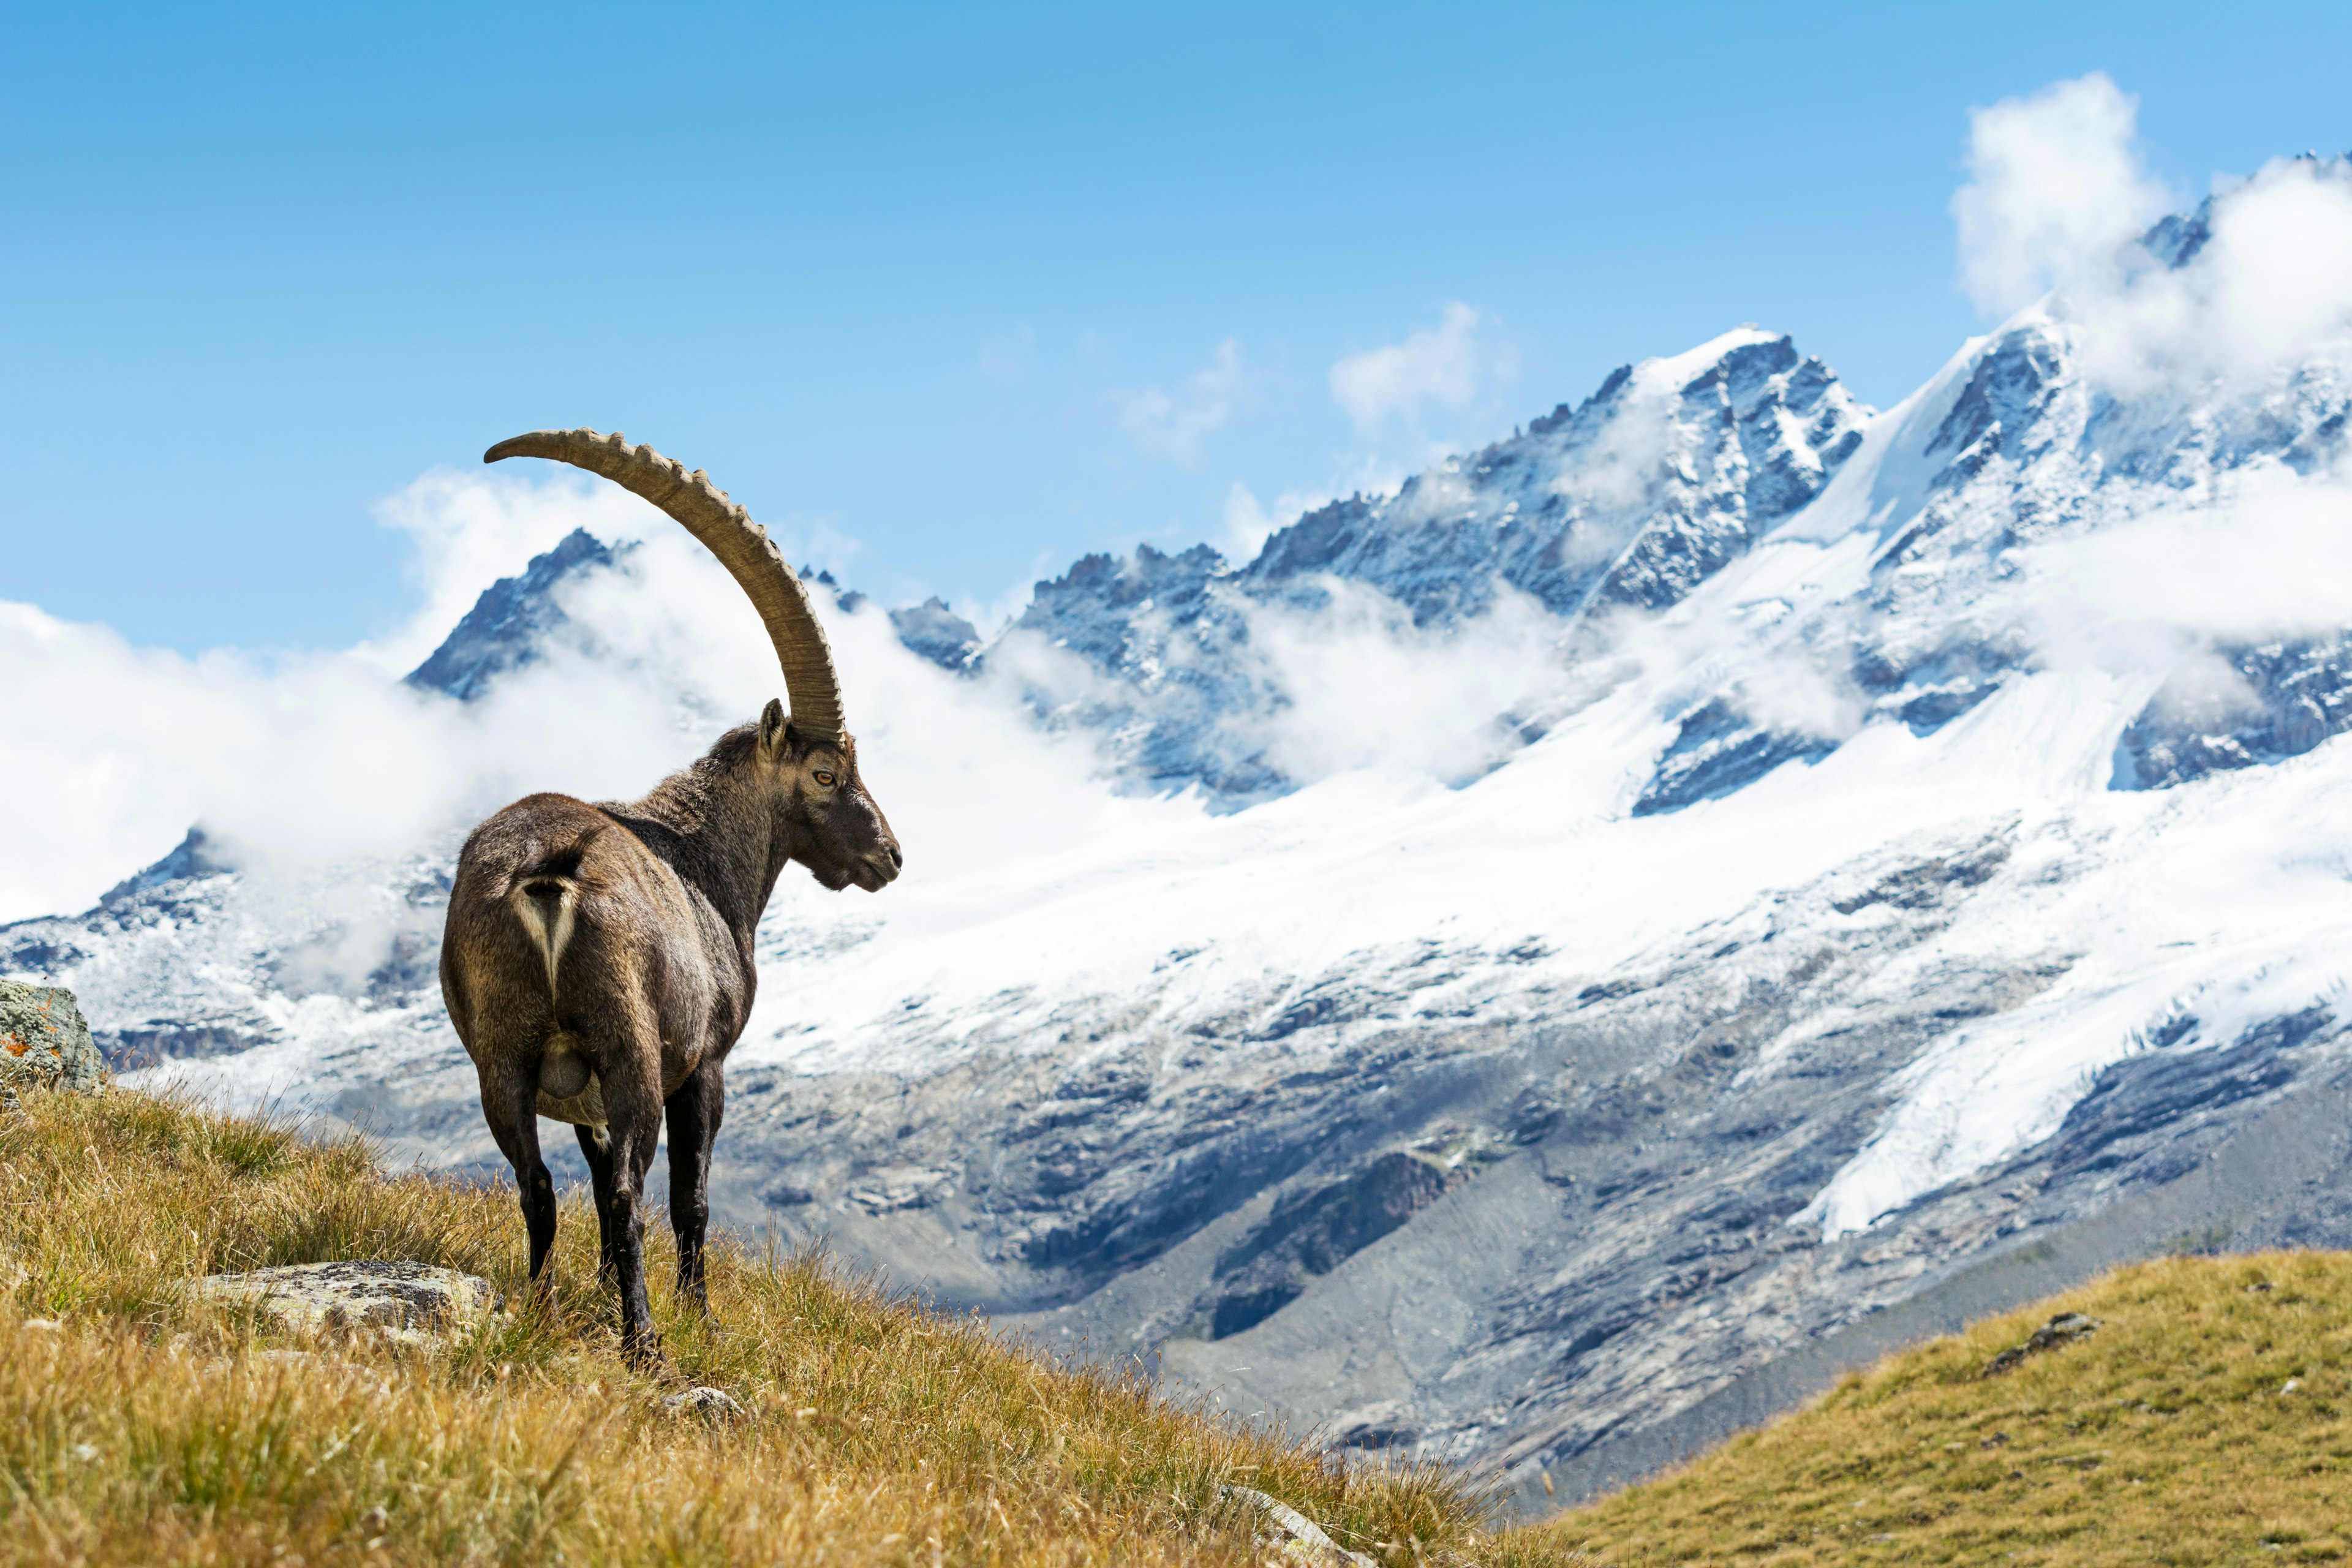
937	633
1928	691
2000	410
508	625
2139	1114
130	1047
34	947
1927	883
1312	1233
196	855
2292	697
2062	1329
1718	750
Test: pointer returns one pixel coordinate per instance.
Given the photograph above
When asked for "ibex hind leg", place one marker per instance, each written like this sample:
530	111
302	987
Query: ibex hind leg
632	1088
510	1105
596	1148
694	1113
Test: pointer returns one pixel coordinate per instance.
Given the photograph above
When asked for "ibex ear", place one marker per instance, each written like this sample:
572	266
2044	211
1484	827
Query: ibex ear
772	730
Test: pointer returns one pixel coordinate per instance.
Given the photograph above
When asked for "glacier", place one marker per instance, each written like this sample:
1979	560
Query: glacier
1532	968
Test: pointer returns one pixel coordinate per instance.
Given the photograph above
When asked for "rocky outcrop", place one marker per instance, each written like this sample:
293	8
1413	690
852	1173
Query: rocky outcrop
936	632
2063	1329
44	1042
2286	698
1311	1233
398	1300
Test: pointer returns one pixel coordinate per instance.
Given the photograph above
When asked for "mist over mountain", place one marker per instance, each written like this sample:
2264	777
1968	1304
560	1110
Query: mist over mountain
1526	966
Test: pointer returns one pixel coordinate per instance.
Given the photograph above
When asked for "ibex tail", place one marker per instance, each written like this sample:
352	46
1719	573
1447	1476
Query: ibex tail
545	898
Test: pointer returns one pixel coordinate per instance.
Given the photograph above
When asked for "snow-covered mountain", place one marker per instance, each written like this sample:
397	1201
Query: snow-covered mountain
1671	470
1552	960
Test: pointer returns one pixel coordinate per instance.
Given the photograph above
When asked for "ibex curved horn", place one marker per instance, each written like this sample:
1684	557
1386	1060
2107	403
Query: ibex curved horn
741	545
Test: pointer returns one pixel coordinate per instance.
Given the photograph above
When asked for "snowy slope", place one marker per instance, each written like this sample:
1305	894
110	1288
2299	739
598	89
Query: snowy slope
1521	954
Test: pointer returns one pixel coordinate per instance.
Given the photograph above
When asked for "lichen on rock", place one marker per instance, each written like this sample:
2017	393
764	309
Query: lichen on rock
397	1299
45	1042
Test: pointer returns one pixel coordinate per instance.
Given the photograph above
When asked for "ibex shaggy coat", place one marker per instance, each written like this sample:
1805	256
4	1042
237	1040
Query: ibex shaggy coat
597	960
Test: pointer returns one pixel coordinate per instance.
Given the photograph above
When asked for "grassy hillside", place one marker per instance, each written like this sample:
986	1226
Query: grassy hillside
2207	1420
138	1426
2204	1421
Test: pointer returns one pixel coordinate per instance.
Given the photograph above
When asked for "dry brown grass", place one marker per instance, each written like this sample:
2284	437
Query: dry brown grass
2167	1437
147	1427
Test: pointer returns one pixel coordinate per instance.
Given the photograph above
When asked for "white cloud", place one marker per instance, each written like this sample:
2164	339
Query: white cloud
2271	286
2054	187
1172	422
298	767
1366	687
1447	365
1247	526
2265	555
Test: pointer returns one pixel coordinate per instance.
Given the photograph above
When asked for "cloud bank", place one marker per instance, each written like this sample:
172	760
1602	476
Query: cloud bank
300	763
298	767
2269	291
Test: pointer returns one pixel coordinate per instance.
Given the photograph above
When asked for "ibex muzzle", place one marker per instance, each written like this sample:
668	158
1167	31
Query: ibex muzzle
597	960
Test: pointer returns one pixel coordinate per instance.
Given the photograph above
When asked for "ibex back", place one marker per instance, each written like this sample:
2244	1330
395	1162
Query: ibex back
597	960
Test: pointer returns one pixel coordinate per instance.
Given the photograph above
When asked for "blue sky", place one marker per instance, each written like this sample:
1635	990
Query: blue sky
952	294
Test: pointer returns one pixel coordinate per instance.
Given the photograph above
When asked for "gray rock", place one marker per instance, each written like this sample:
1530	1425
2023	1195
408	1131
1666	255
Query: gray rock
44	1042
2063	1329
1290	1535
409	1301
713	1404
937	633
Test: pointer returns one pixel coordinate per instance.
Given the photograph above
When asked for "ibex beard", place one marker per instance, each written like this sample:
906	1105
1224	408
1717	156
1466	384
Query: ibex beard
597	959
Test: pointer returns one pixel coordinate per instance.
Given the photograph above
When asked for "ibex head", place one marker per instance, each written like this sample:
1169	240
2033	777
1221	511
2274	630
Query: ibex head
807	763
831	824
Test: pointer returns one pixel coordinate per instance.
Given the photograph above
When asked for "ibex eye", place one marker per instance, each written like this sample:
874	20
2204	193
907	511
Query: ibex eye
825	779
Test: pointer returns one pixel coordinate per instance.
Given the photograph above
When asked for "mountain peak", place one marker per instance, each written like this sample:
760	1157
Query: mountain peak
505	628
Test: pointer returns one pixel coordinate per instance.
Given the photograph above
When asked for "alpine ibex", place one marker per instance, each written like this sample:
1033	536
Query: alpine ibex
597	959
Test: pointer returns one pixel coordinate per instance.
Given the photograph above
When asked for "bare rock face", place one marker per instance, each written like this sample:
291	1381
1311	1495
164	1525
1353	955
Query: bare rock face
402	1300
44	1041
